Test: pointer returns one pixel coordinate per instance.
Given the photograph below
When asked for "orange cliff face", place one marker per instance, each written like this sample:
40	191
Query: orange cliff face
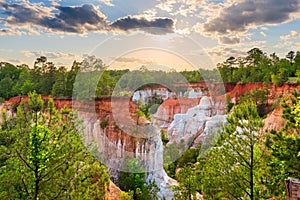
105	115
274	91
113	112
97	111
166	111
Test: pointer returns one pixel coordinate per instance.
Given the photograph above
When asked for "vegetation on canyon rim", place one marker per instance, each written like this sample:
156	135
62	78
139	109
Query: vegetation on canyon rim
42	155
46	78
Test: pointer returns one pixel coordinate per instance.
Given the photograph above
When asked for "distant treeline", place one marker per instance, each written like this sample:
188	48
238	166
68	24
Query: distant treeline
46	78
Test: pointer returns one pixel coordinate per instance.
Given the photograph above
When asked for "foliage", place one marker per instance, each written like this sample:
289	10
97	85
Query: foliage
290	105
229	104
189	156
93	79
126	195
42	156
258	67
150	107
284	147
188	184
296	113
164	136
103	123
260	97
230	170
135	183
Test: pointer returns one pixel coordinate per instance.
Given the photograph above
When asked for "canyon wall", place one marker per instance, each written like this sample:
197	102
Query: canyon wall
190	129
115	134
122	137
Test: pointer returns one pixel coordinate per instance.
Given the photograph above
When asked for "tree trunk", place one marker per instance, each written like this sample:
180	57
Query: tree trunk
36	189
251	166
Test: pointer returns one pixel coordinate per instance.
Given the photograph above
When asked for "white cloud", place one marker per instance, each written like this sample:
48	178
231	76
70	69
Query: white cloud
184	31
263	34
225	52
167	5
264	28
50	55
6	31
293	35
107	2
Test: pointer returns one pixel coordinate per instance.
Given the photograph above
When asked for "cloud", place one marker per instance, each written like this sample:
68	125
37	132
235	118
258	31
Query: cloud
180	7
167	5
34	18
133	60
222	52
240	16
14	61
154	26
49	55
293	35
107	2
228	40
10	32
263	34
24	13
78	19
264	28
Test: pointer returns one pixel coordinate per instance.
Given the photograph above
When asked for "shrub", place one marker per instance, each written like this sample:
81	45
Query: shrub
104	123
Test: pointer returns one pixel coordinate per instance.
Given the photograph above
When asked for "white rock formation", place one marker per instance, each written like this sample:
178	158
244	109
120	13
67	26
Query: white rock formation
113	154
194	93
144	95
186	131
194	125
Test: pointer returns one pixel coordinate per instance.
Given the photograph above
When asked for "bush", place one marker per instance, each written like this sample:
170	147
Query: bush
104	123
164	137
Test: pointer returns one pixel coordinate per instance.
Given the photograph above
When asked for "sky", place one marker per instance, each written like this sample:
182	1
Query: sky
177	34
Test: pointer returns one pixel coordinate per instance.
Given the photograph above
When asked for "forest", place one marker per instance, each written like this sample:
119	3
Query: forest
46	78
42	155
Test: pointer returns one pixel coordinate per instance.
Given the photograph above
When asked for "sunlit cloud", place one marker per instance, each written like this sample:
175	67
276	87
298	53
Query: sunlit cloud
263	34
107	2
50	55
229	40
241	16
293	35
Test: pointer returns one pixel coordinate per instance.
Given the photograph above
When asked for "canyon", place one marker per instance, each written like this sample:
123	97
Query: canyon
118	134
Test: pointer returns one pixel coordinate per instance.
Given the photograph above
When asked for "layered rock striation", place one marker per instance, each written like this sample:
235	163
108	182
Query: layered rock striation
190	129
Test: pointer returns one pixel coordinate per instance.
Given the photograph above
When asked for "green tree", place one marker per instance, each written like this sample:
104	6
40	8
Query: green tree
296	112
136	182
290	56
43	152
260	97
284	150
230	169
188	184
59	87
6	87
70	79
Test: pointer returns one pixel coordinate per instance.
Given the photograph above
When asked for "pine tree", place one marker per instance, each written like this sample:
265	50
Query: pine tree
230	169
43	157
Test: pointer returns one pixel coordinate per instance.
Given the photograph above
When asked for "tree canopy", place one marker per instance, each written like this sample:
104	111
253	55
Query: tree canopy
43	157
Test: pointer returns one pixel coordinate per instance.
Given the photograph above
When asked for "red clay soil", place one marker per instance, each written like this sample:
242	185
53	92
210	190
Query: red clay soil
170	107
113	192
240	89
274	120
275	91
